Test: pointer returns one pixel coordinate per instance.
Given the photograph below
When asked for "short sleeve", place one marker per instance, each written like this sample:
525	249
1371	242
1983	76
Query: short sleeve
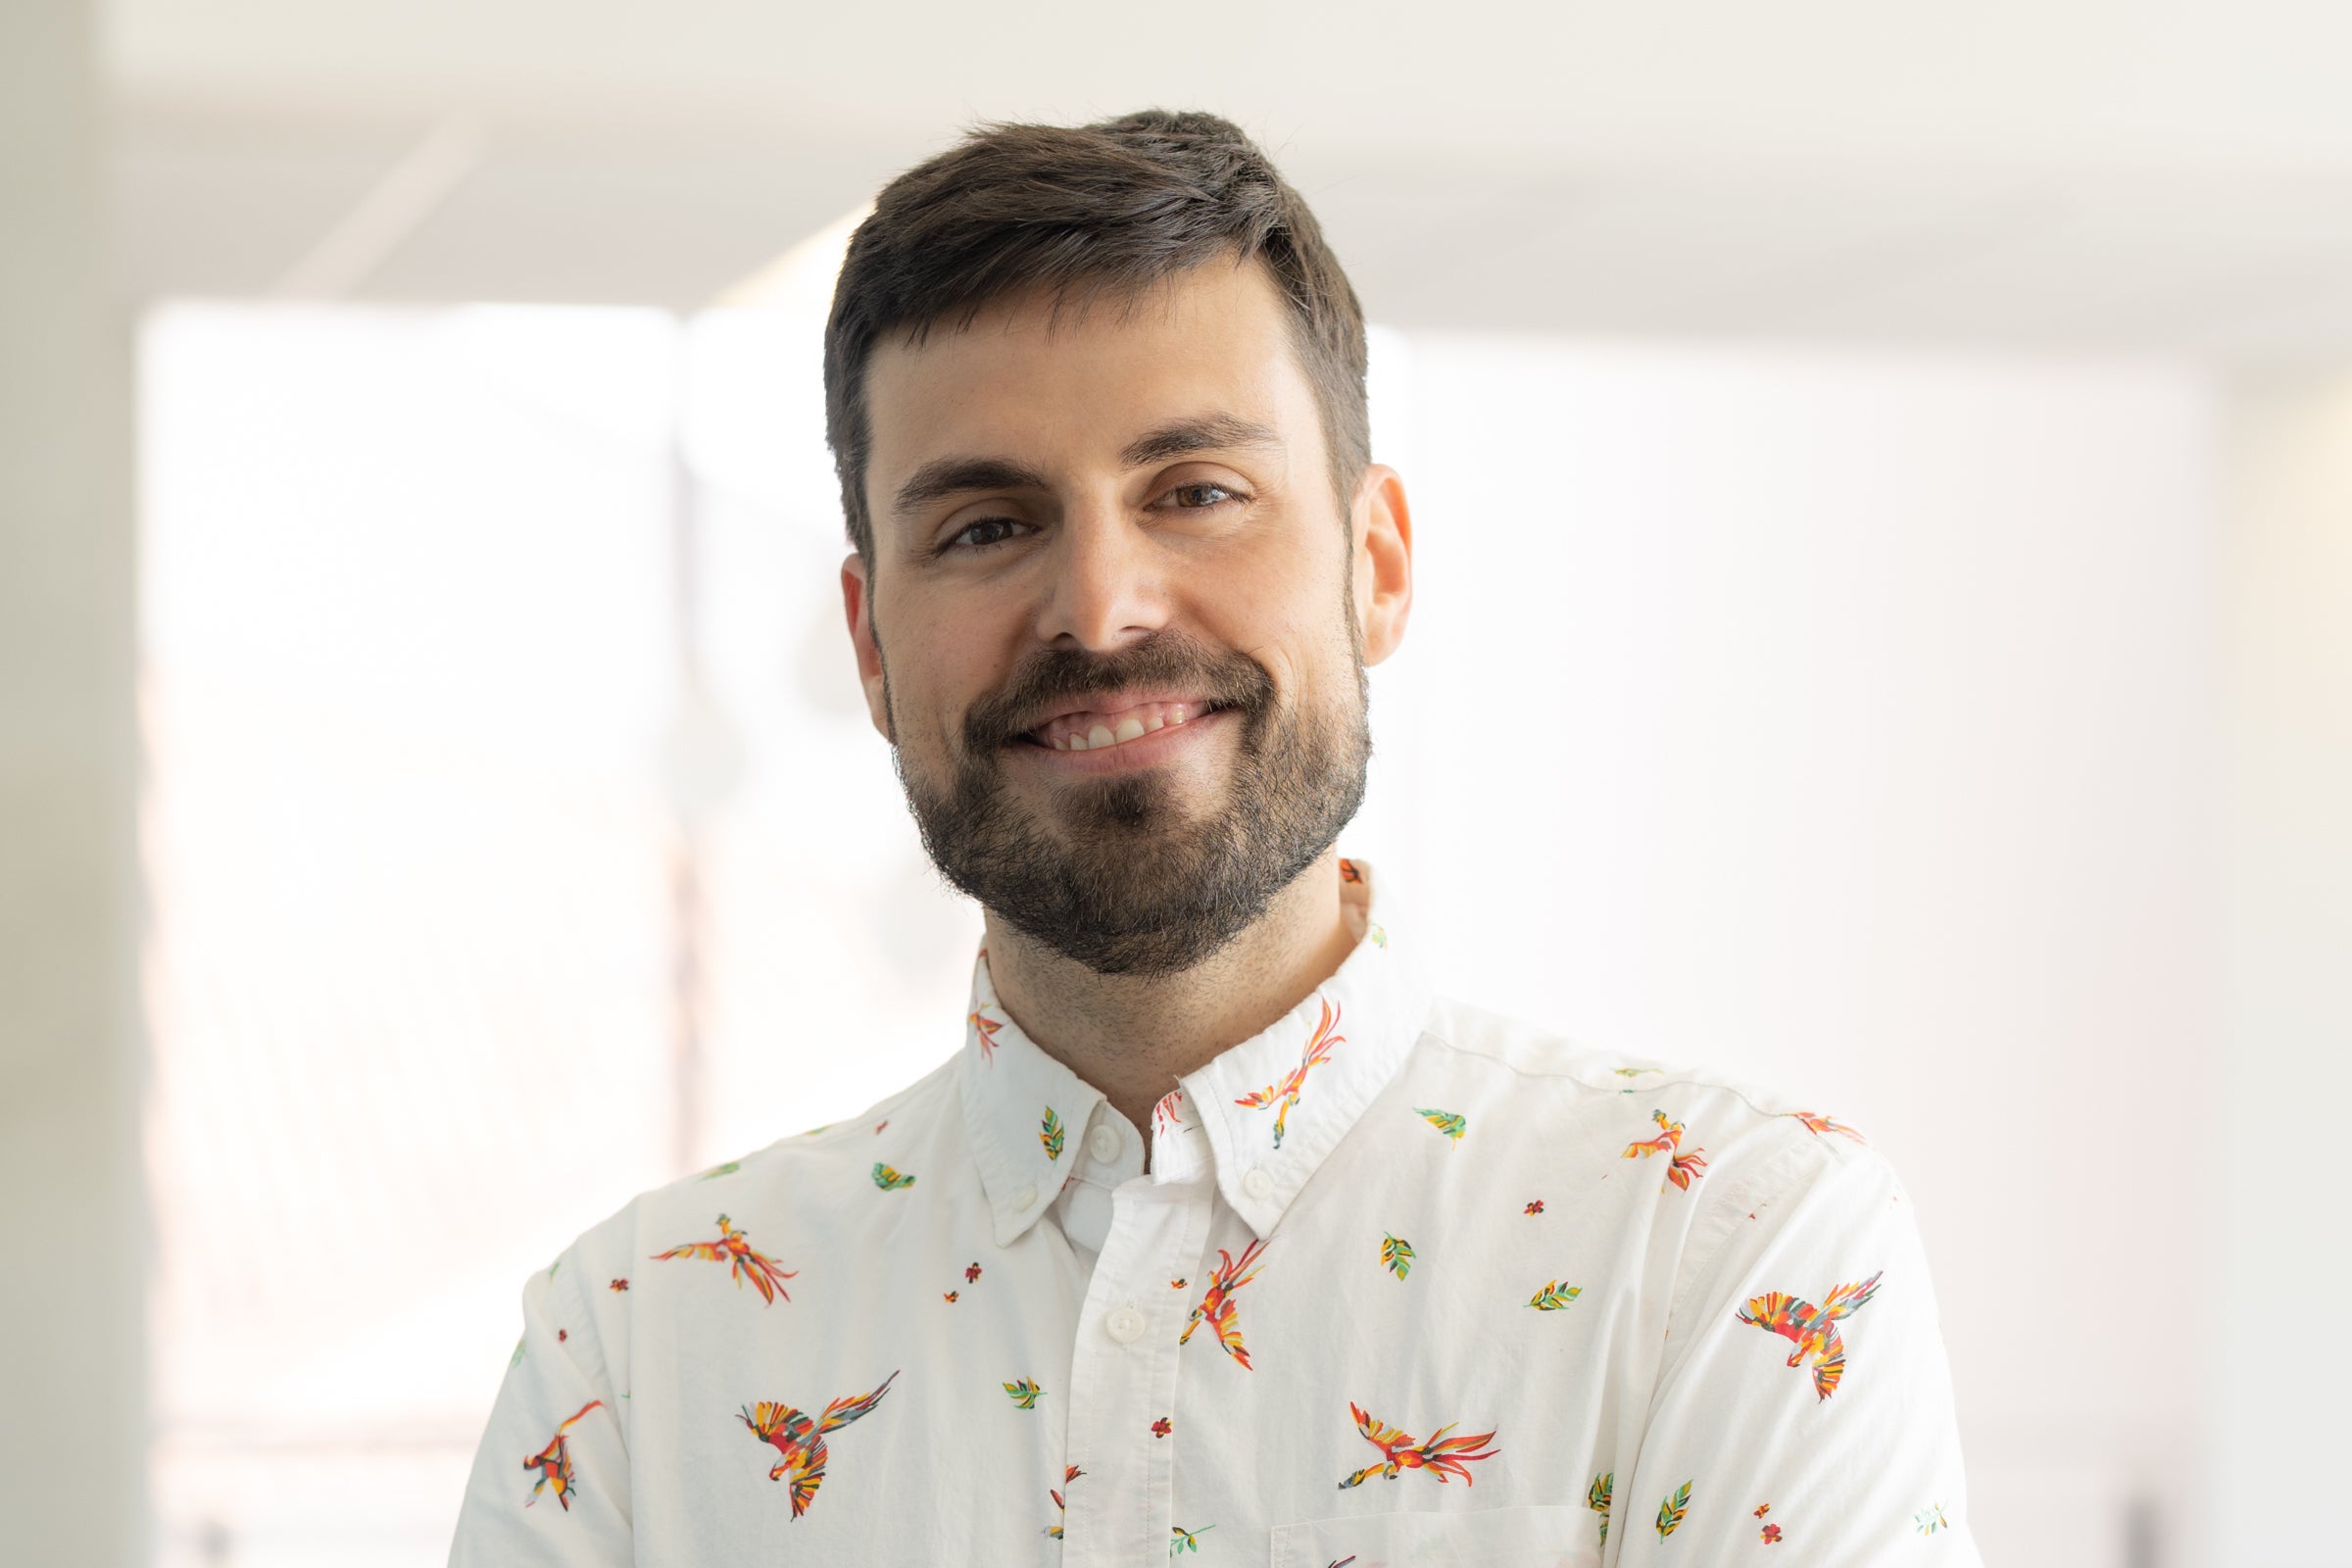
1805	1401
551	1481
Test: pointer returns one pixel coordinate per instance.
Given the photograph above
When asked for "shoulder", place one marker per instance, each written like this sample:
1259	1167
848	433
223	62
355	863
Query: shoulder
800	1177
1749	1128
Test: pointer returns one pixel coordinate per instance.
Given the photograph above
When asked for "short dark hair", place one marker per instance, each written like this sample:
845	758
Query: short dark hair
1113	206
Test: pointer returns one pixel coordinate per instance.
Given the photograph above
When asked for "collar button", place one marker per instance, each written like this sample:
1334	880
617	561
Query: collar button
1257	1184
1024	1198
1103	1144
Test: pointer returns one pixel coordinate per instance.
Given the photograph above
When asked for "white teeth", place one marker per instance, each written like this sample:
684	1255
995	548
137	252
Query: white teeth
1129	729
1062	744
1156	722
1098	736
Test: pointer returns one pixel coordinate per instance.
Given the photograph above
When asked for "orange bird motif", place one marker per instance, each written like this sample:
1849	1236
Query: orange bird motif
553	1462
732	1248
801	1437
1680	1168
986	1028
1441	1455
1822	1126
1813	1330
1286	1089
1217	1308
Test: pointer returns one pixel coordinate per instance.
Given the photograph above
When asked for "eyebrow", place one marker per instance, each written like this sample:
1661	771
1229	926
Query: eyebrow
947	477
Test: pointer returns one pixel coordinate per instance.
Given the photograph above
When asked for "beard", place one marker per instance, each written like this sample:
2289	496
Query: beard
1117	874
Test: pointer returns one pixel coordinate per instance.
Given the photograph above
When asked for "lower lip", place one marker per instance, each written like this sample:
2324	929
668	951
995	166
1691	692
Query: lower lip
1161	745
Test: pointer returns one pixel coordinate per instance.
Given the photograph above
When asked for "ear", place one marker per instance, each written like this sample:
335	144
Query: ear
858	604
1383	564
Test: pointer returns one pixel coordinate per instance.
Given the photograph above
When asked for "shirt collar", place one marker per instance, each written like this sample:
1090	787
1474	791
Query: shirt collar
1316	1071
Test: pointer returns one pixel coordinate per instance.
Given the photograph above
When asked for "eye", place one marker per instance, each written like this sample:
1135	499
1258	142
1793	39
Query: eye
1201	493
985	534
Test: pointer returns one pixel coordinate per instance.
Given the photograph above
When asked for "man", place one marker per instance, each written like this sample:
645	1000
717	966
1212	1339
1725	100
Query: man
1219	1237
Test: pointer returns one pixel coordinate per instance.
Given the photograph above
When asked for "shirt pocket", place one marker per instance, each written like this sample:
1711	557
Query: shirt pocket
1531	1535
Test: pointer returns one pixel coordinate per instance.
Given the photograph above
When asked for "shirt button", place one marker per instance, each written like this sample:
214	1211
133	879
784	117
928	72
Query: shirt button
1103	1144
1124	1324
1257	1184
1024	1198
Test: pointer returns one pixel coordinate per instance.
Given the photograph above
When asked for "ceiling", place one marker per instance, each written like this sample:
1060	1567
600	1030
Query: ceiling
2067	175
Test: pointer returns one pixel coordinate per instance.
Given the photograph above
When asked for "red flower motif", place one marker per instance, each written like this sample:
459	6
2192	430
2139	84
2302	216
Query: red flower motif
1162	1426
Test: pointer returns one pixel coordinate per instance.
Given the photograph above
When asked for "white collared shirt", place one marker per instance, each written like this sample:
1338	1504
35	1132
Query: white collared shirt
1404	1283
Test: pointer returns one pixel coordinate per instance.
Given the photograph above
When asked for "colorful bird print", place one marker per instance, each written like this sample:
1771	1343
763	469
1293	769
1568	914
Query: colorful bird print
1822	1126
1178	1285
1187	1540
617	1286
1770	1535
1761	1509
731	1166
553	1462
971	1272
801	1439
1680	1168
1395	1255
949	1295
735	1249
1162	1426
1671	1511
1441	1455
1535	1207
889	1179
1554	1295
1049	1133
1813	1330
884	1122
1286	1090
1068	1475
1380	938
1216	1306
1025	1392
1445	1121
1596	1499
985	1028
1926	1521
1168	1110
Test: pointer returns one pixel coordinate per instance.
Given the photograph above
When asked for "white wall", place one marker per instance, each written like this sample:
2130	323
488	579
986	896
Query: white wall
1843	720
72	1244
2278	1374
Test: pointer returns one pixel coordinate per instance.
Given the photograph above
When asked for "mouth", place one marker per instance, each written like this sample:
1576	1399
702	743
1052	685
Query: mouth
1104	728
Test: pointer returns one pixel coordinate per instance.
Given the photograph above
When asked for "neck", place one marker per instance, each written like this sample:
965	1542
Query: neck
1134	1038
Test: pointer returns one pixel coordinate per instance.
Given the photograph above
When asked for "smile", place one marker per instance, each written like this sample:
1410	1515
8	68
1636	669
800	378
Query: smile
1094	731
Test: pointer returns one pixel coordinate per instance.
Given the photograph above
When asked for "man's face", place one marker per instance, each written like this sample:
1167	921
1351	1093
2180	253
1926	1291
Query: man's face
1115	623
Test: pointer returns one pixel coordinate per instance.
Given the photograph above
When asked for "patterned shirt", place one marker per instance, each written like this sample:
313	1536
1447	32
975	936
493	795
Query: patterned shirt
1401	1282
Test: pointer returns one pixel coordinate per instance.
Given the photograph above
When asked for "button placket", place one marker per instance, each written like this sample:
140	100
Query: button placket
1123	1373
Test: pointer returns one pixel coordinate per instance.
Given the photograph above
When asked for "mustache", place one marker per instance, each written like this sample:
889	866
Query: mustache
1226	678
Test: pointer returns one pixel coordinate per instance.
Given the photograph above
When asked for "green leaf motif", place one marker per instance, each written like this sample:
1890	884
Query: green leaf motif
1450	1123
1596	1499
515	1360
1048	1133
1930	1519
888	1178
1553	1296
1395	1255
1671	1511
1025	1393
727	1169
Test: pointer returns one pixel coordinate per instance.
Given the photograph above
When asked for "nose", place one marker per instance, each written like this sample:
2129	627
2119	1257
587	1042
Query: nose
1105	591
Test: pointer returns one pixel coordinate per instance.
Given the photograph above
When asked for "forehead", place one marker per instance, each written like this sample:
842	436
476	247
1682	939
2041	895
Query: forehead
1071	386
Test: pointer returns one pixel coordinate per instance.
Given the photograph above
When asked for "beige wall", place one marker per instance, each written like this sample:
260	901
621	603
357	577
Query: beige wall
2283	1273
74	1251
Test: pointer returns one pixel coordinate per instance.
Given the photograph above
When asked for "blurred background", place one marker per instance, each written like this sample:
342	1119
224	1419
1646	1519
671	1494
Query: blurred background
1884	493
